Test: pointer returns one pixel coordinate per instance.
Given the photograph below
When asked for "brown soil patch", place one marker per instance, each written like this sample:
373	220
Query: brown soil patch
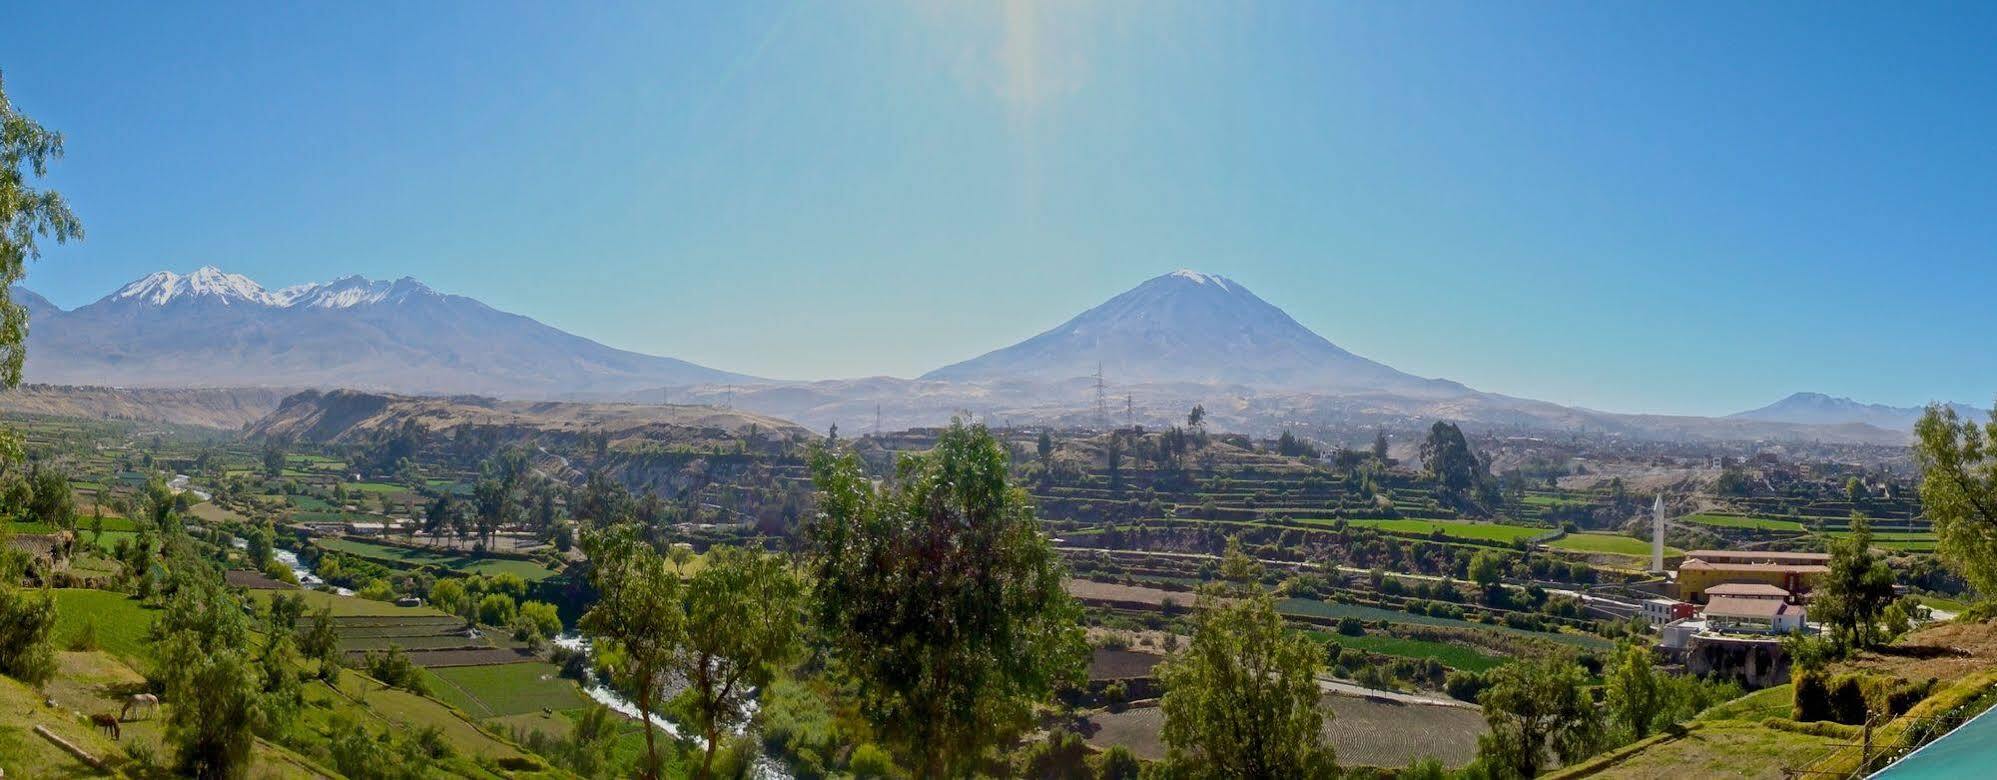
1109	664
1364	732
1945	652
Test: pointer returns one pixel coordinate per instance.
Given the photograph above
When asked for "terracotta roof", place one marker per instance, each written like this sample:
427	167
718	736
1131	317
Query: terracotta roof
1731	606
1753	590
1703	565
1758	556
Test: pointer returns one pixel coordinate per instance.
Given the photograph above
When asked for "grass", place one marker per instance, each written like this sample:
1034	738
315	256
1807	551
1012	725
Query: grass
504	689
121	623
25	754
1765	703
526	570
1452	656
1607	543
1739	521
1489	532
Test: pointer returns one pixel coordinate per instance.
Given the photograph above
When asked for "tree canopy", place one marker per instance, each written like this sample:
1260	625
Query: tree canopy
1243	699
1959	492
938	592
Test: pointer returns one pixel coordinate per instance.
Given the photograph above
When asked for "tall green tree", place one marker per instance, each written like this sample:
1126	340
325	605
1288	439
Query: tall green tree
1958	460
1243	700
27	618
201	643
744	618
940	594
1536	708
637	618
1462	480
1636	695
27	215
1857	589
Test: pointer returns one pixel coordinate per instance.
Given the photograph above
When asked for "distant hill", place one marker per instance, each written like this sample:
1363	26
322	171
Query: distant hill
228	408
351	415
216	329
1192	327
1821	409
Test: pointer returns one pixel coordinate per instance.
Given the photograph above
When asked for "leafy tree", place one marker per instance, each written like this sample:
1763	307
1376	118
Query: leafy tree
1635	693
322	643
1461	479
1533	707
257	543
545	619
496	609
1487	568
1197	417
1380	446
200	641
449	595
273	458
27	619
744	612
939	592
1855	591
1958	461
638	618
27	215
1243	699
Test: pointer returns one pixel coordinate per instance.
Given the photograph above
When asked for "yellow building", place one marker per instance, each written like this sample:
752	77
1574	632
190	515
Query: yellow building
1796	573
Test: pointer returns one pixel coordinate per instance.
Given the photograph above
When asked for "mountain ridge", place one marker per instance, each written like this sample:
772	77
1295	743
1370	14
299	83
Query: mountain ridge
211	328
1812	408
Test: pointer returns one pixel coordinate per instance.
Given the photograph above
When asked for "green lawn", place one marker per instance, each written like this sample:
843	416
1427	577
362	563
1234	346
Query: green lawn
1607	543
504	689
1740	521
526	570
1490	532
121	623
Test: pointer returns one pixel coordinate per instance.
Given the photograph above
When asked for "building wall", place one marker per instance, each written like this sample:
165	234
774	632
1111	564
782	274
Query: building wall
1692	583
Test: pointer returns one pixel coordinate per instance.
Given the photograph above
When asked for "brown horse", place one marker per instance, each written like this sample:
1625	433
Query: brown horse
105	722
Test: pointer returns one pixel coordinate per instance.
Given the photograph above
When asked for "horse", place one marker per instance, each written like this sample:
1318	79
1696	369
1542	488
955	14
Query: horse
106	723
143	702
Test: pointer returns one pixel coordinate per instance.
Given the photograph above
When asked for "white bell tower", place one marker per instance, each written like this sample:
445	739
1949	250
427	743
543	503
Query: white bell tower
1657	536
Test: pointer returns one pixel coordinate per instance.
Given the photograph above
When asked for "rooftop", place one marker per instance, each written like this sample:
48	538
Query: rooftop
1696	564
1736	607
1752	590
1759	556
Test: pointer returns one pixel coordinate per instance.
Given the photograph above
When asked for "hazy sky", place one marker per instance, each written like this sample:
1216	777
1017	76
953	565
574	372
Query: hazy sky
1676	207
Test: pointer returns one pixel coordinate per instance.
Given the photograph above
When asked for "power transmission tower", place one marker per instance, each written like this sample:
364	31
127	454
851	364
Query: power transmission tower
877	421
1129	411
1102	401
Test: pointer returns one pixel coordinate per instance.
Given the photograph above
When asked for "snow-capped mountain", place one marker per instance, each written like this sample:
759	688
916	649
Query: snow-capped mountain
1821	409
1192	327
211	328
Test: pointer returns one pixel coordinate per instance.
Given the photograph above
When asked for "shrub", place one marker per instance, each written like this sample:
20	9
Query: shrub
377	590
1116	763
496	610
1848	699
870	761
84	638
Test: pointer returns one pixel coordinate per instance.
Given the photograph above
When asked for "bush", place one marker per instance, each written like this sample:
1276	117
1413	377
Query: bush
1116	763
870	761
1811	700
1848	703
84	638
496	610
394	669
377	590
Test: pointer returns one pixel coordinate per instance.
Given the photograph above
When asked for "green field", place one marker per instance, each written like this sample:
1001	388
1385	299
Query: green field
1452	656
526	570
1607	543
1330	609
121	623
1489	532
1739	521
348	606
504	689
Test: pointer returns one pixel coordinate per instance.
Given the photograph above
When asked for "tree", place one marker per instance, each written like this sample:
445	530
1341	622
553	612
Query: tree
1635	695
322	643
1461	479
257	544
1380	446
1532	707
273	458
1958	463
1855	591
1487	568
1197	417
199	642
27	215
637	617
744	612
26	620
1243	699
939	592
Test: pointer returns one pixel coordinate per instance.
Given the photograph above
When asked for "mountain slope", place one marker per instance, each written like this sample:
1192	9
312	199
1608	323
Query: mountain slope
1821	409
213	329
1190	327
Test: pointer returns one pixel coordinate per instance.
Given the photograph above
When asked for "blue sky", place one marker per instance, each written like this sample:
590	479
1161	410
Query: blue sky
1683	207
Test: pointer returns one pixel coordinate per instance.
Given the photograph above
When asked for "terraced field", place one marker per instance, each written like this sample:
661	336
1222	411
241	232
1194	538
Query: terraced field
1607	543
1451	655
407	556
1745	522
1487	532
499	690
1328	609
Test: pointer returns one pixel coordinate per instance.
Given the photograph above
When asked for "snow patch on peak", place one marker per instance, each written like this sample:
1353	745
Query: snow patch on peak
161	287
1202	278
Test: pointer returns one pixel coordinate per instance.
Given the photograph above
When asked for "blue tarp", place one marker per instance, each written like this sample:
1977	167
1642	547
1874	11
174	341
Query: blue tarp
1968	751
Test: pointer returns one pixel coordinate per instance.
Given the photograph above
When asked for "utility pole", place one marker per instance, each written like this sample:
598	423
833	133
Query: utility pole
1102	403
